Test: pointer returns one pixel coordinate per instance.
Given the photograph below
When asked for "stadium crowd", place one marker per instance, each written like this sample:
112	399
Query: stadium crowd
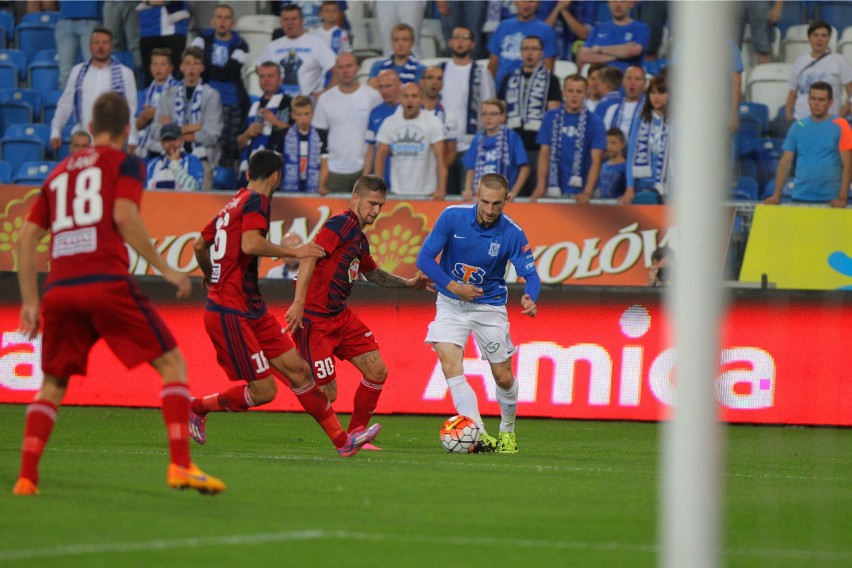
565	99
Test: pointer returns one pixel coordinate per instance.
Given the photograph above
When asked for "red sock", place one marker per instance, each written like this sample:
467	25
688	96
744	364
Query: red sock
315	403
235	399
41	416
175	397
366	399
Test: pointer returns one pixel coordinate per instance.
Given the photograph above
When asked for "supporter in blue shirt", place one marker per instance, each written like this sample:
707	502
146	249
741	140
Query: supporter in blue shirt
620	43
573	141
822	146
505	44
613	180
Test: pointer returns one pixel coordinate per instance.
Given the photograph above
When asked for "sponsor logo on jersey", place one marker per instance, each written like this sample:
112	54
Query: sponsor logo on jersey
469	274
492	347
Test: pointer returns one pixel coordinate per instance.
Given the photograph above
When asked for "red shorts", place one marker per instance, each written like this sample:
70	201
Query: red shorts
244	346
343	336
76	316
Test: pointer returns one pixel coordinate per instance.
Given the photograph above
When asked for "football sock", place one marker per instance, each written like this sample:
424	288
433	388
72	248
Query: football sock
366	399
235	399
41	417
315	403
175	410
464	399
508	400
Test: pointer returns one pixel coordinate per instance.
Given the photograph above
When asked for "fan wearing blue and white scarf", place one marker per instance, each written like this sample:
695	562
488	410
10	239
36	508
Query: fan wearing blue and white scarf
293	160
483	165
189	112
116	84
261	141
526	98
152	100
650	142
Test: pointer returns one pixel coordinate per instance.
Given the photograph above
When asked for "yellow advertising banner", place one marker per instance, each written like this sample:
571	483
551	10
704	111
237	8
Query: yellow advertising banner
802	248
573	244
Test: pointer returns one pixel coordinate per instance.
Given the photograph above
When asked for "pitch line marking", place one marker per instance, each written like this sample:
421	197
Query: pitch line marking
307	535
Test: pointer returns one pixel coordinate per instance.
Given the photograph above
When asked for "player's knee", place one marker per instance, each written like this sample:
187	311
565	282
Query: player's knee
504	378
262	391
378	375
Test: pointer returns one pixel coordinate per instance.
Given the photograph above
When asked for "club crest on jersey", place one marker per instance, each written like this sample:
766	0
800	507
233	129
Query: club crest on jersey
353	269
493	249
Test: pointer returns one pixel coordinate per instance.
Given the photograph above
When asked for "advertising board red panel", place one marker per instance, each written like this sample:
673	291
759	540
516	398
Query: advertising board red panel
781	363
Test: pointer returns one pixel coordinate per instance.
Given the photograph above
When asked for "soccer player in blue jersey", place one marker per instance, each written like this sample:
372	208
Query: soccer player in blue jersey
475	243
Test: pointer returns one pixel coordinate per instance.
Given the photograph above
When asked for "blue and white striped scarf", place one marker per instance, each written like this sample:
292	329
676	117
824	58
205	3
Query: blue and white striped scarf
292	160
501	145
576	180
526	100
409	68
650	159
116	86
193	116
152	99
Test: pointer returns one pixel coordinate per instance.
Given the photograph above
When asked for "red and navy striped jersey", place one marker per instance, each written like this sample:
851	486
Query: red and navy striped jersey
76	205
347	254
233	283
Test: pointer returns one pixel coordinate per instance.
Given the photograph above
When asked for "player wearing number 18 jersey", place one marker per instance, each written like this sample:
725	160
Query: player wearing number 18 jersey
90	205
248	339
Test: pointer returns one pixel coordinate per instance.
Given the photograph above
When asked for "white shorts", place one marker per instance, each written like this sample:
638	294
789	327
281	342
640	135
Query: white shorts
455	320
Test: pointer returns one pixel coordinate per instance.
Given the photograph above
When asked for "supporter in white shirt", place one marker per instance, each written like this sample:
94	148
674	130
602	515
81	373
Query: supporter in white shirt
819	65
90	79
343	111
304	57
415	141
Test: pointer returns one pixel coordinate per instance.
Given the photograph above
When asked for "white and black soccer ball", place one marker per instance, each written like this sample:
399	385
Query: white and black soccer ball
459	435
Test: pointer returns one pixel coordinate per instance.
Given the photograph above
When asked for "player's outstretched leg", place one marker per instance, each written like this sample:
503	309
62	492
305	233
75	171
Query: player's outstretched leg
356	440
193	478
235	399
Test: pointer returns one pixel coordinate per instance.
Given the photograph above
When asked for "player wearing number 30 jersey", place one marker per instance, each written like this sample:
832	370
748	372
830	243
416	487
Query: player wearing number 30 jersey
90	205
249	341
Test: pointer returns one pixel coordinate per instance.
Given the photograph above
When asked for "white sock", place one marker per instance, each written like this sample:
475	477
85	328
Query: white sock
464	399
508	399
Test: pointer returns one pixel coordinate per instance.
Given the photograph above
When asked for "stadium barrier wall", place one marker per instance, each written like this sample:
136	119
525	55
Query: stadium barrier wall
591	353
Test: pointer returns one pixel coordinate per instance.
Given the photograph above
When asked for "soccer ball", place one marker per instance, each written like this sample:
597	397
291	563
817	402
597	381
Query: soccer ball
459	435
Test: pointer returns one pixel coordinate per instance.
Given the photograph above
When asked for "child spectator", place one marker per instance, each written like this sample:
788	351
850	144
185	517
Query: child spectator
337	38
613	183
161	69
305	152
497	150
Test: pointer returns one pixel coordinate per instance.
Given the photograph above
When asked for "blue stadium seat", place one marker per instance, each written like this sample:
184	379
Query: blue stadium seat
5	172
14	113
646	198
28	96
46	18
746	189
8	74
37	130
51	99
33	38
224	178
7	21
46	55
20	149
33	173
125	58
44	76
749	130
793	13
765	154
838	14
17	58
758	111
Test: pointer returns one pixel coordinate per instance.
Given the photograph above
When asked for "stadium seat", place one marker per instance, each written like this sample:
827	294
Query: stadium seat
646	198
758	111
779	126
745	189
844	46
29	96
793	12
765	153
37	130
224	178
51	99
7	22
796	43
562	69
786	191
434	61
44	76
14	113
20	149
367	64
838	14
8	74
45	18
431	32
768	84
33	38
251	81
257	30
366	41
17	58
5	172
33	173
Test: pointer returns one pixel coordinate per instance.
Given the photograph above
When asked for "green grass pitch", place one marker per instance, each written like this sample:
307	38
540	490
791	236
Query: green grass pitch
579	494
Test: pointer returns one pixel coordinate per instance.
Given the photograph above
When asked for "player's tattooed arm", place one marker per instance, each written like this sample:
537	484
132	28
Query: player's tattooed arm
386	279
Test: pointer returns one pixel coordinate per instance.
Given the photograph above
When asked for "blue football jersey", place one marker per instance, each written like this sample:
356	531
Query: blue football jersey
475	255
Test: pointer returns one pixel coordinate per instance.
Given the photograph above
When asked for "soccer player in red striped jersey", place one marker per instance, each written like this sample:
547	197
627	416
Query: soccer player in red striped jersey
249	341
90	205
322	324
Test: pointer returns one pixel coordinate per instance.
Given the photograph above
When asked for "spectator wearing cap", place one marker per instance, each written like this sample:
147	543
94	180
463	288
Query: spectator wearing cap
175	169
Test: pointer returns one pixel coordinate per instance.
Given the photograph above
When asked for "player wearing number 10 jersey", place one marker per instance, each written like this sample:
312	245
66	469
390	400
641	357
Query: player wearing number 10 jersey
248	339
90	205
